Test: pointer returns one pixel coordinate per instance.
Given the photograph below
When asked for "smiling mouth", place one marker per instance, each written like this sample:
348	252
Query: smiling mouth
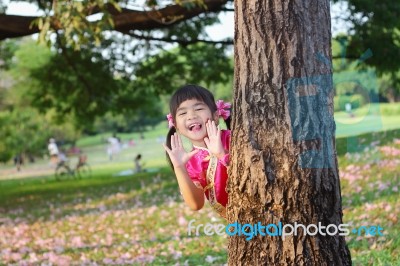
195	127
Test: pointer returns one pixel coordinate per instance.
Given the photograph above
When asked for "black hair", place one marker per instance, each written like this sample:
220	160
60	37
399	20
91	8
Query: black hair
189	92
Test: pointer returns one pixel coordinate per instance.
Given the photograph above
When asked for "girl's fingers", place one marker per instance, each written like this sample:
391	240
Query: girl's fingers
173	142
214	127
193	152
210	128
176	140
180	141
219	132
166	148
207	141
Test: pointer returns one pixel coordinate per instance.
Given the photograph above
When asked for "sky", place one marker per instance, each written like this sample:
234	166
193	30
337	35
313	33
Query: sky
216	32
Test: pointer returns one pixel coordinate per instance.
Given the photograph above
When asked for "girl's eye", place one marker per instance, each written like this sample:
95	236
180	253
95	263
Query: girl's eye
199	109
181	114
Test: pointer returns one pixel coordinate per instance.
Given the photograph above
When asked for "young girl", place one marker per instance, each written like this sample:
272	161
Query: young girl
195	115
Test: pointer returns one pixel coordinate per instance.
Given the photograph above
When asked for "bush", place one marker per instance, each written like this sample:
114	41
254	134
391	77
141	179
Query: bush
390	109
340	101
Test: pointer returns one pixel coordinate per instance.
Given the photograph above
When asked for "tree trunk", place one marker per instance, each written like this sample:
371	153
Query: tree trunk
283	157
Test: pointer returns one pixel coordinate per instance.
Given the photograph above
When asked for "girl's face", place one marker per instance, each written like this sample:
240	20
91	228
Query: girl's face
191	118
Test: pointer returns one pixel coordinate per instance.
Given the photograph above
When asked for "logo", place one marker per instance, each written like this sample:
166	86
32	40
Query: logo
282	230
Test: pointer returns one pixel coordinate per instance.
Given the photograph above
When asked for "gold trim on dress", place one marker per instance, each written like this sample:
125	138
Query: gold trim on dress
212	167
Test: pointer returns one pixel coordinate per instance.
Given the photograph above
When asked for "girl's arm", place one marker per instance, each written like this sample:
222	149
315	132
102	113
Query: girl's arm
193	196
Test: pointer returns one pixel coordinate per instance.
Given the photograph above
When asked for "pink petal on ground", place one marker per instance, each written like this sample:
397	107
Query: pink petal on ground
16	257
382	186
182	221
108	261
388	208
144	259
369	207
76	241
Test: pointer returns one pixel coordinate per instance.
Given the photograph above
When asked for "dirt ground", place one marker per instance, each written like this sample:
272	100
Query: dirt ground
27	170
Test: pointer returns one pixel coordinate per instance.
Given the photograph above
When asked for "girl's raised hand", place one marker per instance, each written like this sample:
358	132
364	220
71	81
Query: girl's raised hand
179	157
213	141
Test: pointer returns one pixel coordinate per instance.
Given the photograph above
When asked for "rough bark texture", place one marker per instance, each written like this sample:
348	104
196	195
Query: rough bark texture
282	109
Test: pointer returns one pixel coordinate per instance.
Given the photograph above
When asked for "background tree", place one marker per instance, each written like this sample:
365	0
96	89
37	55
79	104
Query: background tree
284	166
92	71
375	26
20	122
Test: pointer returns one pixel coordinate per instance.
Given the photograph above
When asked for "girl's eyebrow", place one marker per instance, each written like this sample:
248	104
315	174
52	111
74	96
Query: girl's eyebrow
193	106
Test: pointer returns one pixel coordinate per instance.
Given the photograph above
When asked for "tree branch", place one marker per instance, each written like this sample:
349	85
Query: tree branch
227	9
346	57
12	26
16	26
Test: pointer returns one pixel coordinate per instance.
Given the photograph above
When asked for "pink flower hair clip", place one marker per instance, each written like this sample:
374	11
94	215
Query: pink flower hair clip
223	109
170	120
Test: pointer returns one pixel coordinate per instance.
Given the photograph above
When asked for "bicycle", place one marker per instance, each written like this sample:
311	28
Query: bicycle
81	170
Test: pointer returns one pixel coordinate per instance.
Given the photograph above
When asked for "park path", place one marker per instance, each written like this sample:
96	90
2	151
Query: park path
26	171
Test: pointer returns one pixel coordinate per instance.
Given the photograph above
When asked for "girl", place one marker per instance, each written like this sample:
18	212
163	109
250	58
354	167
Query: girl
195	115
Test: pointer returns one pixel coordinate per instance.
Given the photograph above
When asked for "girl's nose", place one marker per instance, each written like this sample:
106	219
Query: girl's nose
191	115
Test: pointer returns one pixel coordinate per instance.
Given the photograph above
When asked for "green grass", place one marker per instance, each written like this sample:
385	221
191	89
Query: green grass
112	216
370	118
101	139
141	219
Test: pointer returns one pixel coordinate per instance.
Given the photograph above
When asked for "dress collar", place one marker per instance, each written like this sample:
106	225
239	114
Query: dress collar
201	148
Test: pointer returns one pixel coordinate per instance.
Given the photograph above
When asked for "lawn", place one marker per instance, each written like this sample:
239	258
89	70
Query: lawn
370	118
141	219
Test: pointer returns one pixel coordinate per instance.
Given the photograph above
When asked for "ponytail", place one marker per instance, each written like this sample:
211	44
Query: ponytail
228	122
171	132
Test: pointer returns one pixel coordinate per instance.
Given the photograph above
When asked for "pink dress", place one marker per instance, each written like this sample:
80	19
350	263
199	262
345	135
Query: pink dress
210	174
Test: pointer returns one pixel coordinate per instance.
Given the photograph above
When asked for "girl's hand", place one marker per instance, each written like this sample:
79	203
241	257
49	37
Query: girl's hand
179	157
213	141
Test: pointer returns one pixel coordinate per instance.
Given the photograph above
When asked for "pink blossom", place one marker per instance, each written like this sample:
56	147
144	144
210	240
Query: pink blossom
108	261
33	258
382	186
144	259
390	151
76	241
369	207
387	207
363	216
182	221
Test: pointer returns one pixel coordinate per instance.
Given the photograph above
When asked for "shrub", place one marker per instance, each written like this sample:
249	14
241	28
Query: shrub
390	109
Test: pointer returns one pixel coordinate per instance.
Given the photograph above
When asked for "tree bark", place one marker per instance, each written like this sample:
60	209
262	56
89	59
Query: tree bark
283	157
